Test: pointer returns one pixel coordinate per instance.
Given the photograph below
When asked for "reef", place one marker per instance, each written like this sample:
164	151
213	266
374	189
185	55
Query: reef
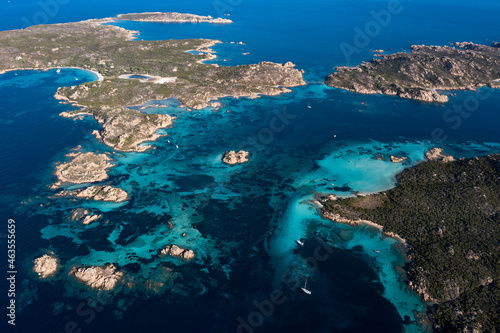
422	73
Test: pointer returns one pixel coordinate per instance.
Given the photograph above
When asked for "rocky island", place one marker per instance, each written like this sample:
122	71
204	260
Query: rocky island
419	75
45	266
397	159
449	214
84	168
97	277
232	157
172	18
102	193
178	252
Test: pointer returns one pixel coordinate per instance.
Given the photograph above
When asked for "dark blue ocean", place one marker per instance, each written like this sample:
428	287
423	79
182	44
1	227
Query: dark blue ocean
242	221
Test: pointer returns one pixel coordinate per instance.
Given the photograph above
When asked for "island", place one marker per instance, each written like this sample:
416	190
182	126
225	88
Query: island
99	193
133	72
232	157
178	252
84	168
45	266
398	159
447	213
172	18
97	277
422	73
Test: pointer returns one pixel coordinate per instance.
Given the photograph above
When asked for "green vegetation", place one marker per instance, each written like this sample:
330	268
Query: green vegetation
110	50
450	215
417	74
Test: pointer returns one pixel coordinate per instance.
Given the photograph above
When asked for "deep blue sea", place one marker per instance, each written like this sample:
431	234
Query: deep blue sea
242	221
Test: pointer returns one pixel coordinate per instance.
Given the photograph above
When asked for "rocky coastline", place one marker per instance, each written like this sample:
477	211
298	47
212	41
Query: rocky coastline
422	73
126	129
436	154
447	210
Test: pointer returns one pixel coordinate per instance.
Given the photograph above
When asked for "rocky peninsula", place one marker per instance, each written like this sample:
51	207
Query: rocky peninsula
449	213
125	129
84	168
172	18
232	157
422	73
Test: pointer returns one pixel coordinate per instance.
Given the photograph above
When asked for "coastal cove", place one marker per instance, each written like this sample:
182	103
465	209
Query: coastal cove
195	219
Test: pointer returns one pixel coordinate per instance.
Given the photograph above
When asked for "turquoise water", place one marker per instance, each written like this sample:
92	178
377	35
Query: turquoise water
242	221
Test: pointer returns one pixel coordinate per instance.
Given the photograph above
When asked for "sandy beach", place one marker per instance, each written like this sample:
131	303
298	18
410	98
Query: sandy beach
98	75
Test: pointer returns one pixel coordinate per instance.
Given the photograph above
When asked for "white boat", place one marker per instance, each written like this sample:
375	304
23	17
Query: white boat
308	106
176	146
304	289
301	243
58	71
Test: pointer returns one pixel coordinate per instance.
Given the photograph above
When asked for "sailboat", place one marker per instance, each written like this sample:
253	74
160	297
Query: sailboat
304	289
